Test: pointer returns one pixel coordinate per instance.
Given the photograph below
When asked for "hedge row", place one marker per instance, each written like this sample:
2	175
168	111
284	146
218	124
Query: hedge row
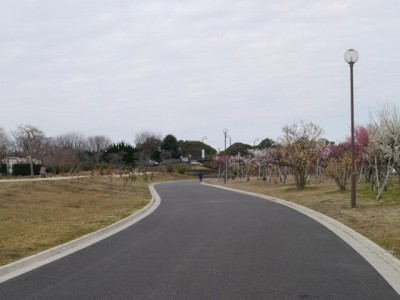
21	169
3	169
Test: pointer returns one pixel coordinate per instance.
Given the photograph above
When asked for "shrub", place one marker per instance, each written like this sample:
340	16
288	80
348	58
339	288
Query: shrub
25	169
182	169
3	169
170	169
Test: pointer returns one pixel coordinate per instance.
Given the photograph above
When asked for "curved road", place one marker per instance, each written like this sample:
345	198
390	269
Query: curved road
207	243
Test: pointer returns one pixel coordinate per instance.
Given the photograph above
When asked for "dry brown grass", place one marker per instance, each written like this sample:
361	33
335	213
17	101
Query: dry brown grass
377	220
37	215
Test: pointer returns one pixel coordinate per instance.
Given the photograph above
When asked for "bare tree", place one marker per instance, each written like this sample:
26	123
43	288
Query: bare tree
142	137
63	159
148	143
98	145
72	140
30	141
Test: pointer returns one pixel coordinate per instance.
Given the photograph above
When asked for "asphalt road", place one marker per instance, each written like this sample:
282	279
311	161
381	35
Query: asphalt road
207	243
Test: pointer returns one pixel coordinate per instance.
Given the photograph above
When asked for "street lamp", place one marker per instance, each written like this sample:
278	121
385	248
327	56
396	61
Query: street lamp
255	141
31	164
351	57
225	131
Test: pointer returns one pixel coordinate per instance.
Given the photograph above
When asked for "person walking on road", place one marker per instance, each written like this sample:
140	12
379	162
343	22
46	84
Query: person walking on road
200	174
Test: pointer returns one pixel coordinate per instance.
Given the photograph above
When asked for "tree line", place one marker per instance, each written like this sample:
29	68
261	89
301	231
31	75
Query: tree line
303	153
62	153
300	152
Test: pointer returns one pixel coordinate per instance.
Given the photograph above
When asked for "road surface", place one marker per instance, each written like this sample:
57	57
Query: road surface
207	243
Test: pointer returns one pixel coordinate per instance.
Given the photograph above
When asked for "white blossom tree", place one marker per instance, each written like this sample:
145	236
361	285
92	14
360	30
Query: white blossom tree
384	144
268	162
300	144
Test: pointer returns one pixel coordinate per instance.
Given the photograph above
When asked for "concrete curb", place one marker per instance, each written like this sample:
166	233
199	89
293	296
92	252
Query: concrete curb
381	260
29	263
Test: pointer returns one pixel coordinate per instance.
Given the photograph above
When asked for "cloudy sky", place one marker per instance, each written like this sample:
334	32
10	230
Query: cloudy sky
193	68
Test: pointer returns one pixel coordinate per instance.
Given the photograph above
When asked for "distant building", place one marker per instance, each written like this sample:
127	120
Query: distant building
10	161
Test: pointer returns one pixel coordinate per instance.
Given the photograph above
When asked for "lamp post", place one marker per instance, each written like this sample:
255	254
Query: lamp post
225	131
31	164
351	57
255	141
203	152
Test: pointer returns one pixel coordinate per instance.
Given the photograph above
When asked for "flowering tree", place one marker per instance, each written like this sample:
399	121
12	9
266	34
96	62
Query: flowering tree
219	162
259	160
338	163
361	141
300	146
336	159
268	162
241	165
385	145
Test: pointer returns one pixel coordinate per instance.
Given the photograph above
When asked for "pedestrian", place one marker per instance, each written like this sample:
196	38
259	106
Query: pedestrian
200	176
42	172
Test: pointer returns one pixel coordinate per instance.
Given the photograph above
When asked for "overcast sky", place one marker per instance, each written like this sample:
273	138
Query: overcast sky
193	68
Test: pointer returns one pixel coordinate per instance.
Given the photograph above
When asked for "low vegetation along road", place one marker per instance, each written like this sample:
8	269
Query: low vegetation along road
208	243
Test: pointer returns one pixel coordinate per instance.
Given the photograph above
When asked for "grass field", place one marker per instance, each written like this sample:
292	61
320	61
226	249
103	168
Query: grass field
37	215
377	220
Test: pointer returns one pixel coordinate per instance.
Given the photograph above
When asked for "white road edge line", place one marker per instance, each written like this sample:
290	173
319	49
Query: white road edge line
32	262
381	260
